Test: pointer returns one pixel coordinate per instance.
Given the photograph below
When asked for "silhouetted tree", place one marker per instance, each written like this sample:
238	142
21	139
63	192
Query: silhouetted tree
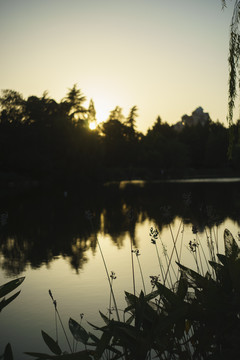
114	141
91	115
162	149
74	104
131	119
216	146
42	111
116	114
130	123
12	107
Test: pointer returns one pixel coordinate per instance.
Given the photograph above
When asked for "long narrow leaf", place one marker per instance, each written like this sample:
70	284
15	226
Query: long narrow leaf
105	318
51	343
8	355
131	301
10	286
4	302
195	279
103	343
81	355
169	295
217	267
94	338
222	258
182	287
40	355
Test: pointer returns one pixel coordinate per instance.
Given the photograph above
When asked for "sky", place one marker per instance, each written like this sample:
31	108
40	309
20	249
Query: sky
168	57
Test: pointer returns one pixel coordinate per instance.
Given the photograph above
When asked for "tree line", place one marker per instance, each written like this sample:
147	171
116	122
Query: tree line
50	141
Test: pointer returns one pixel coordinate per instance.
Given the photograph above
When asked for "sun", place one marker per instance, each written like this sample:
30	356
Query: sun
92	125
102	104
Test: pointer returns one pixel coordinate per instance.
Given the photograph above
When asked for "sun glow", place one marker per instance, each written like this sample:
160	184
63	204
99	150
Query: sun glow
92	125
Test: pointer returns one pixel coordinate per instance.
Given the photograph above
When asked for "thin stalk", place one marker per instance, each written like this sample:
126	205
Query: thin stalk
216	238
109	281
56	327
195	258
160	263
110	301
133	273
205	258
59	318
212	246
210	251
181	245
106	269
174	243
172	267
200	260
174	248
140	268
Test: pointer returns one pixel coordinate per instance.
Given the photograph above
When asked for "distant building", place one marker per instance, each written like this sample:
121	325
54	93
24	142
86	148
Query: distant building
198	117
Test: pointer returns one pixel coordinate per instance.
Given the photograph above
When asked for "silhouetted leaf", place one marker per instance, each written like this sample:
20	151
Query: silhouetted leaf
5	302
130	319
96	327
8	355
51	343
10	286
105	318
152	295
222	258
40	355
94	338
182	287
194	279
231	247
81	355
78	332
103	343
167	294
131	301
217	267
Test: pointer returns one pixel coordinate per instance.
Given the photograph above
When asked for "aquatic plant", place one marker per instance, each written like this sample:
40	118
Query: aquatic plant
199	318
6	289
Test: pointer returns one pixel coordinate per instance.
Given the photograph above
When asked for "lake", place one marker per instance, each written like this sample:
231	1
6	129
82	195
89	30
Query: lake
53	238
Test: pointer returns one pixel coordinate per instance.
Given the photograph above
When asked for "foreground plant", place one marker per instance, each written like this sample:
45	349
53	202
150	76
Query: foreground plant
6	289
198	319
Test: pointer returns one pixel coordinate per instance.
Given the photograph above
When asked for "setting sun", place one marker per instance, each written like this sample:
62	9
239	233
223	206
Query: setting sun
92	126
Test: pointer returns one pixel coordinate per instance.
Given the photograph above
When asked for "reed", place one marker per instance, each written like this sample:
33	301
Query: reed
181	319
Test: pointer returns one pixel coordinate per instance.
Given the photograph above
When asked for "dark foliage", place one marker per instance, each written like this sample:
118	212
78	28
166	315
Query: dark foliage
50	142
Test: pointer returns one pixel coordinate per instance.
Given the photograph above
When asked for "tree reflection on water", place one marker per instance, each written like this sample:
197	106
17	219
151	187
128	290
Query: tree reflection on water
42	226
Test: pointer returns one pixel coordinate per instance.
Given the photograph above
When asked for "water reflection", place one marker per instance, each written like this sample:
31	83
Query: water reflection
42	226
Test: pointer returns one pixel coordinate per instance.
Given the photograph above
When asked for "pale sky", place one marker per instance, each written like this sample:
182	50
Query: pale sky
166	56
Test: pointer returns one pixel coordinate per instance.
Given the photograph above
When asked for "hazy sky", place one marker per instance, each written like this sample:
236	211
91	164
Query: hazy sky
166	56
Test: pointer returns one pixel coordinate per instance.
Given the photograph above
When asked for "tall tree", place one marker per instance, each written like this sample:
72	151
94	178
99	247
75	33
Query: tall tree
12	107
42	111
116	114
131	119
234	67
92	114
74	101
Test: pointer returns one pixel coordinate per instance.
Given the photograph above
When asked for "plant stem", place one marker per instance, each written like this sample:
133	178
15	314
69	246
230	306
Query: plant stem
133	274
109	281
140	268
59	317
106	269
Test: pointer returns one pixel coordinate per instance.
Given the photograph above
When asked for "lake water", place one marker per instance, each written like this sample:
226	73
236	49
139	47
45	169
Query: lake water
53	238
